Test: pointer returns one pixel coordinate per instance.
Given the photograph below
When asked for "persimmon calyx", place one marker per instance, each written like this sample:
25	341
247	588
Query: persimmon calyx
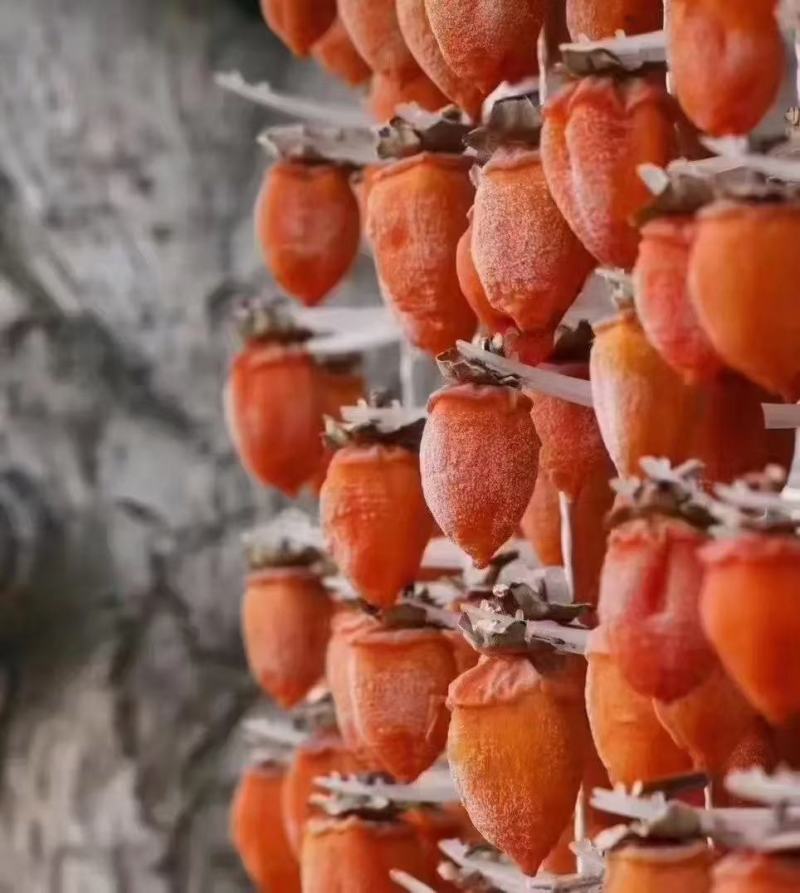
459	369
269	321
442	134
513	121
370	807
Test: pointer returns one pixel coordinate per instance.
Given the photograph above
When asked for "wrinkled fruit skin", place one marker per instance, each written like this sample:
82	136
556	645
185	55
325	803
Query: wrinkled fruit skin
727	62
472	288
596	134
308	227
266	857
516	751
415	217
634	868
478	460
416	30
274	415
531	264
285	626
356	855
323	755
643	406
299	23
375	520
710	722
375	31
335	52
388	92
597	19
650	607
486	43
756	873
749	614
663	304
398	685
630	740
541	523
757	337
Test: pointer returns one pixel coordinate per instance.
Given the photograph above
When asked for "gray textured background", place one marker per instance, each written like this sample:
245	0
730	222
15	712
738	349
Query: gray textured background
126	186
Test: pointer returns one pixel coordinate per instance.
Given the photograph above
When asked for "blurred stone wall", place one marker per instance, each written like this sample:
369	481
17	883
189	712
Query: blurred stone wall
126	185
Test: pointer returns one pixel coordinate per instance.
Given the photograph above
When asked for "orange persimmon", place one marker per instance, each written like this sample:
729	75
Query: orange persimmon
415	217
387	93
356	855
516	750
335	52
486	43
531	264
748	606
726	60
286	626
375	519
758	337
274	413
416	30
650	606
299	23
307	224
636	868
561	859
472	287
338	388
710	721
631	742
398	690
267	857
478	460
541	523
375	31
322	755
596	134
662	297
757	873
597	19
643	406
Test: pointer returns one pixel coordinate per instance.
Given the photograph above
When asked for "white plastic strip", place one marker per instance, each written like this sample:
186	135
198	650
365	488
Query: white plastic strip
434	786
633	52
342	319
277	731
781	415
574	390
353	341
294	106
411	884
759	787
735	150
386	419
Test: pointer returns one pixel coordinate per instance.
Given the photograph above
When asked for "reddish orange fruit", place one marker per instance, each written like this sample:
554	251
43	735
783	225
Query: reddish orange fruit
335	52
299	23
710	722
666	312
375	519
478	459
650	606
274	413
487	43
630	740
322	755
285	626
307	225
398	690
473	290
516	752
596	133
338	388
375	31
561	859
416	29
748	611
541	523
531	264
415	218
434	824
756	337
597	19
757	873
387	93
643	406
266	857
356	855
634	868
726	60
